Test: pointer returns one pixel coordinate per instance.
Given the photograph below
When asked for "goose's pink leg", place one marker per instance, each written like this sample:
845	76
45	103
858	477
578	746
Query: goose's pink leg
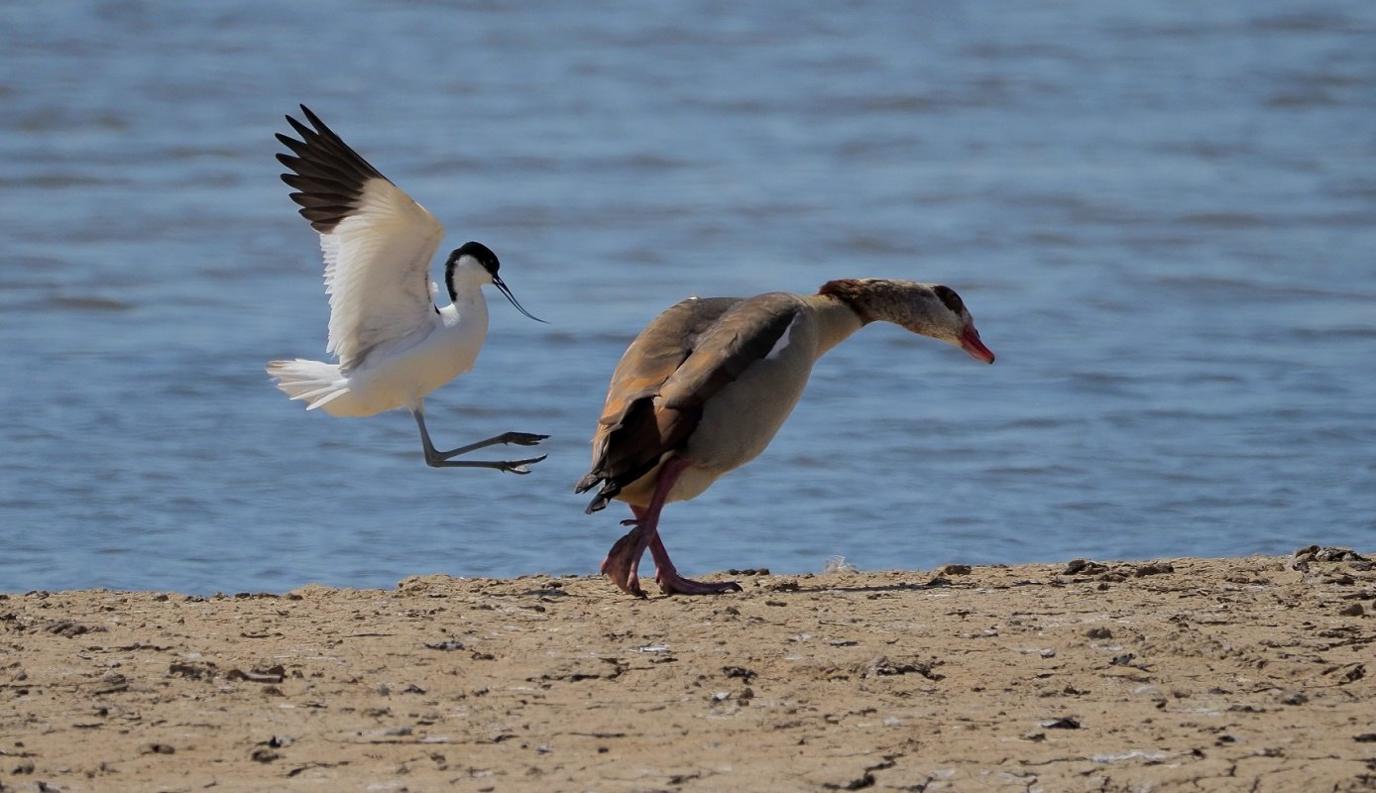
623	560
666	575
622	564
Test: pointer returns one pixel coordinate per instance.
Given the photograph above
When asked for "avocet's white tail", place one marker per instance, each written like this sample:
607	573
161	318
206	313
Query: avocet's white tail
320	384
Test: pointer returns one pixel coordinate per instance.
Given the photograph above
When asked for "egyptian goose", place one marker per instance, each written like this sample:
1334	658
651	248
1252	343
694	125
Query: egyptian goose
705	387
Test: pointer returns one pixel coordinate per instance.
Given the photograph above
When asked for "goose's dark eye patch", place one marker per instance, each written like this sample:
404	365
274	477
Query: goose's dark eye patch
949	297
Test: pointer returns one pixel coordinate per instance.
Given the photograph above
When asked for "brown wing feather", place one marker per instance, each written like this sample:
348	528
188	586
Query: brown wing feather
687	354
658	352
744	334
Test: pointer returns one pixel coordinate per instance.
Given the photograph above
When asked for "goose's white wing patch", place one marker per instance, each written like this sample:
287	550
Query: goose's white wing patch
782	343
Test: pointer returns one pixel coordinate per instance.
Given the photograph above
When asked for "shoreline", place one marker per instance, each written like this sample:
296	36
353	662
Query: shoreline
1252	673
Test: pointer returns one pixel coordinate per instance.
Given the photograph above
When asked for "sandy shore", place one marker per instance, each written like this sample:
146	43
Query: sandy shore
1191	674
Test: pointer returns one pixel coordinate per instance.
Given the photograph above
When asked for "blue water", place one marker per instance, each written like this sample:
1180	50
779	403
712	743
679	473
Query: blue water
1162	215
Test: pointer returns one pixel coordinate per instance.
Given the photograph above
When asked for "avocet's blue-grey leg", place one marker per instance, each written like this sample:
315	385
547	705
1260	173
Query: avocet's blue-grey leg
439	459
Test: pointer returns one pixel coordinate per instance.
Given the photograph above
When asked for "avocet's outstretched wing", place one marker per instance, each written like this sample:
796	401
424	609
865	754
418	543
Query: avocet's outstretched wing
377	241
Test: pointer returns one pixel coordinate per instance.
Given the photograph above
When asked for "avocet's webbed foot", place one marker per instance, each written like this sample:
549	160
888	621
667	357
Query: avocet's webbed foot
510	466
506	438
521	467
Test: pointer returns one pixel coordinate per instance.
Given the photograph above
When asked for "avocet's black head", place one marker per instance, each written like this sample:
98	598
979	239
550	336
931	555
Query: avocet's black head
480	252
483	257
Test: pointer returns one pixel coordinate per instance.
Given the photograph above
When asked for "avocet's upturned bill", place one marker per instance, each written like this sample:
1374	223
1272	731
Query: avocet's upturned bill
393	343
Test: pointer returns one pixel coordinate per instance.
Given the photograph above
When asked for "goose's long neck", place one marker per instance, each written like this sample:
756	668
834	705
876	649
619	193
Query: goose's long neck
836	321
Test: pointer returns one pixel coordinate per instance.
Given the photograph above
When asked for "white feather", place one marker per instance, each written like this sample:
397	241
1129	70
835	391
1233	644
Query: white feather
377	272
782	343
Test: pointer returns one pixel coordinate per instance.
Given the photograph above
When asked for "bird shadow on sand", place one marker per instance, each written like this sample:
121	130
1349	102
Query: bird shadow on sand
791	588
781	588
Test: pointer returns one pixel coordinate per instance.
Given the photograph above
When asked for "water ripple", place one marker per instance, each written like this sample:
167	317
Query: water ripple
1166	237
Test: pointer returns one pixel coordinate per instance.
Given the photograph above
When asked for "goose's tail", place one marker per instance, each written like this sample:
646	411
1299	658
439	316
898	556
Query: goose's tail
319	384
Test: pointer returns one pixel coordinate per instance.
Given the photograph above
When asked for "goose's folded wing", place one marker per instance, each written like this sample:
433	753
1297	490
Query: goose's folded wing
744	334
376	240
658	352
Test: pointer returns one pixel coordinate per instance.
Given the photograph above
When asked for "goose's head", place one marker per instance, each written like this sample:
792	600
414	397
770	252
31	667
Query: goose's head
476	263
929	309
